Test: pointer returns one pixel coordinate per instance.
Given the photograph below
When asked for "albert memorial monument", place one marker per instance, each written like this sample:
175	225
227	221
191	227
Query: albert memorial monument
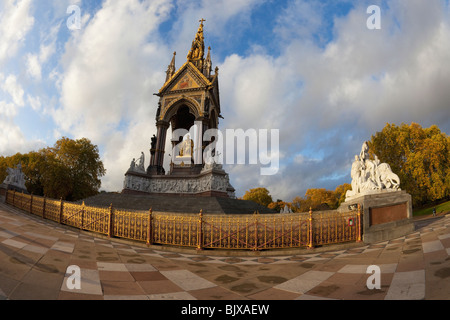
189	97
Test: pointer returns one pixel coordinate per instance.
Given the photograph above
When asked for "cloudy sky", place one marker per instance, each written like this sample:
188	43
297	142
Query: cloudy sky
312	69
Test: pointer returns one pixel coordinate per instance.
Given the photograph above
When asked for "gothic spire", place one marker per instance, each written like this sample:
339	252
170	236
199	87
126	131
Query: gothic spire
196	54
171	69
208	64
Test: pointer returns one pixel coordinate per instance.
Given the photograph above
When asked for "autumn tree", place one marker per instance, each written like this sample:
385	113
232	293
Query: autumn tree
300	204
78	163
315	199
278	205
419	156
258	195
341	191
71	169
318	199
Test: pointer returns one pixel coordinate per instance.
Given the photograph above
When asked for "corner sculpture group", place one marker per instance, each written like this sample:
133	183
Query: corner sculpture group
371	175
15	177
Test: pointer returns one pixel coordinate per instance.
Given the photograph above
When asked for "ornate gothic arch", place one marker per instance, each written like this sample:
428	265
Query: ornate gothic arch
173	107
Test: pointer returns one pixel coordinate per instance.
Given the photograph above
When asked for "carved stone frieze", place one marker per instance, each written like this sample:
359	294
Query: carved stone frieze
183	185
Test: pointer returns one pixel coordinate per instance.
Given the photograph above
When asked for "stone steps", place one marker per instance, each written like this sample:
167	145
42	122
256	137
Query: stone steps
177	204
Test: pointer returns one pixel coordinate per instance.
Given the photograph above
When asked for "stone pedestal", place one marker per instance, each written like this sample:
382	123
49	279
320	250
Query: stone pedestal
4	187
3	190
385	214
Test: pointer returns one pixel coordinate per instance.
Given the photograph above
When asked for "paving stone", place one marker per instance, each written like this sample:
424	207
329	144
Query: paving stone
90	283
121	288
305	282
63	246
432	246
187	280
407	286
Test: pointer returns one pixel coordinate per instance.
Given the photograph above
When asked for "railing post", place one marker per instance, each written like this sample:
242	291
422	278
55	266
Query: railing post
43	208
255	215
14	198
311	241
61	209
149	229
359	223
200	231
110	220
31	203
82	216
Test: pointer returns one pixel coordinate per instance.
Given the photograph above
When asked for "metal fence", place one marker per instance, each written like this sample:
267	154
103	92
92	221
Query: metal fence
230	232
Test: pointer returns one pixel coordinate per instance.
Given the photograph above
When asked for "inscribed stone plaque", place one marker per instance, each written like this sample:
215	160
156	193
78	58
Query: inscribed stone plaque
388	214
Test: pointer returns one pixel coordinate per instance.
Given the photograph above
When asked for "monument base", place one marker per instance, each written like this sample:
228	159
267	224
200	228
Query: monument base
385	215
184	204
211	181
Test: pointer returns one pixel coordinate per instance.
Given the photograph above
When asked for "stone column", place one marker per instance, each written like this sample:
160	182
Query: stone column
198	143
157	157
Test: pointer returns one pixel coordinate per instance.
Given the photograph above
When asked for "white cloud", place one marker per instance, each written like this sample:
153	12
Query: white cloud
15	23
12	139
327	101
34	67
35	62
108	67
13	88
110	72
34	102
7	110
300	20
46	51
226	20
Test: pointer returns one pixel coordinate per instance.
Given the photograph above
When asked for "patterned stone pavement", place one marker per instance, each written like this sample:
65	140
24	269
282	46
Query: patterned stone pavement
35	256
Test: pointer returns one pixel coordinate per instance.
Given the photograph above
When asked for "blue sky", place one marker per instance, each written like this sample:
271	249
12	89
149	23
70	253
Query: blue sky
311	69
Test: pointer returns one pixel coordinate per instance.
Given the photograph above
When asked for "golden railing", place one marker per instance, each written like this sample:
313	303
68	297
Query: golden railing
133	225
228	232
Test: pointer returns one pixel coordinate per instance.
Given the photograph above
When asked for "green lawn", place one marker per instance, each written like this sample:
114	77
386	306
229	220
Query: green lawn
443	207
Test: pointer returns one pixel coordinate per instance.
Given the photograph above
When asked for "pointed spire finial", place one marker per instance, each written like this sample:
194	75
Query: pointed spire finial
208	64
196	54
171	68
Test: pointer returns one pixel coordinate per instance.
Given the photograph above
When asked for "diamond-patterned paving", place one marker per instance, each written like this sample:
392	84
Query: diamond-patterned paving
35	256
